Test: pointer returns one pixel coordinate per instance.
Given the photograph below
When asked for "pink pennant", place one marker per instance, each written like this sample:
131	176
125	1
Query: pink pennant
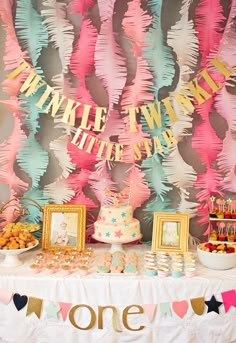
180	307
229	299
150	311
5	296
64	308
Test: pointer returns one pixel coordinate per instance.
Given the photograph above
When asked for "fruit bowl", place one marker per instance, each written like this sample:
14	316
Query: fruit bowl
220	260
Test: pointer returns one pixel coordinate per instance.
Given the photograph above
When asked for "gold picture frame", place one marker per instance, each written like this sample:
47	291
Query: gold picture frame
170	232
64	227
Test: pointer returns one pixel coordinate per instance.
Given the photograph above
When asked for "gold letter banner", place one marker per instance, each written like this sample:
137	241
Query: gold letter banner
112	151
151	111
72	318
127	311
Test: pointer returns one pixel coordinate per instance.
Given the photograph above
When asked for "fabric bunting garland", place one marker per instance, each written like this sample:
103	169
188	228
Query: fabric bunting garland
202	305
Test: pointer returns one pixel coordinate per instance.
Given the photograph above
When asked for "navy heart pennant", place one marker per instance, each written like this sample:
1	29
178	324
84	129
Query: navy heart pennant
20	301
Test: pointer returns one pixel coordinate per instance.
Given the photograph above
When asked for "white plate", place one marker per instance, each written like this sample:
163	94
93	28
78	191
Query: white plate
12	256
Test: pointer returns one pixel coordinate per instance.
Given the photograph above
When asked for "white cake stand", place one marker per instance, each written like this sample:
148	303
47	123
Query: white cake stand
12	256
117	245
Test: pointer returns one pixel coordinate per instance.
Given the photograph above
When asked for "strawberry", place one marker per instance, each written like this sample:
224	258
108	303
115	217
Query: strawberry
230	250
209	245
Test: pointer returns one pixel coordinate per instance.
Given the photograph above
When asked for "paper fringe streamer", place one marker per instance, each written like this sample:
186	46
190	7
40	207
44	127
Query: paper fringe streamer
30	31
179	172
80	6
9	147
34	167
225	105
32	158
133	95
114	75
13	52
61	35
59	147
209	22
81	65
58	191
161	64
59	30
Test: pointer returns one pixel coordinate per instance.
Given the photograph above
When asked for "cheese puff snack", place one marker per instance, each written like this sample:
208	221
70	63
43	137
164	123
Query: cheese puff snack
30	227
12	239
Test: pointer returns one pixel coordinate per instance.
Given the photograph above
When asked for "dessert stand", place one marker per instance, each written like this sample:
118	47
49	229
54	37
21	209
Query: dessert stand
117	245
11	257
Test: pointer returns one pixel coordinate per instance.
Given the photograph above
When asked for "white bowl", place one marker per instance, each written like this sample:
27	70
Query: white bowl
12	256
216	261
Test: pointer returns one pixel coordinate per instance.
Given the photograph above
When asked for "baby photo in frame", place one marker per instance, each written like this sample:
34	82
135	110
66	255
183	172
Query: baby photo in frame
170	232
64	226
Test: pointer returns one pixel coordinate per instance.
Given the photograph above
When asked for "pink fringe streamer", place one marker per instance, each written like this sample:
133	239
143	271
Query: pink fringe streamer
82	64
209	21
135	94
9	148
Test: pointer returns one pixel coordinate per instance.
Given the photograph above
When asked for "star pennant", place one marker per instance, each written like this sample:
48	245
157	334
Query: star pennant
52	310
213	305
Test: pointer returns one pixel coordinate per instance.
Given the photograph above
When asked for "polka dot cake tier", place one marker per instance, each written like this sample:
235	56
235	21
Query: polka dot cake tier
116	225
120	214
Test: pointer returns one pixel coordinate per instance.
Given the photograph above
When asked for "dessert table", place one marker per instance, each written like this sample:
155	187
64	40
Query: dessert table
132	298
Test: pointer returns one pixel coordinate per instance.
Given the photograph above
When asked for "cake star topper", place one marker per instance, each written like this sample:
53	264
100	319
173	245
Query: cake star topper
212	198
112	197
115	199
228	201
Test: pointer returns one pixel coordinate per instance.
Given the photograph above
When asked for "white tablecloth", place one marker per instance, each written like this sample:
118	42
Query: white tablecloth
120	291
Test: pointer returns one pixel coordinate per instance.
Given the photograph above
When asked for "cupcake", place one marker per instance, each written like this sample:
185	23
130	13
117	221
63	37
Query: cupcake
163	271
222	237
220	215
227	214
233	215
230	237
176	273
150	271
213	235
213	213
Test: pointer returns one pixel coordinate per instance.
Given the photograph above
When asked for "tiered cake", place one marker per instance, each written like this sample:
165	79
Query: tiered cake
116	225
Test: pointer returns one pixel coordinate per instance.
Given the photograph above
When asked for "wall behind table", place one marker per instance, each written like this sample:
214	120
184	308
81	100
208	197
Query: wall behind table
51	63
